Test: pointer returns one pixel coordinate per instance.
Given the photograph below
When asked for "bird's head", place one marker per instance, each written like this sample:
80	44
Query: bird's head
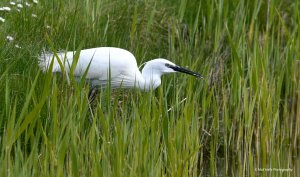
162	66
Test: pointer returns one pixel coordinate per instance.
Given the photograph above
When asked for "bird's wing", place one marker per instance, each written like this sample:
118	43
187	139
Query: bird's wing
102	63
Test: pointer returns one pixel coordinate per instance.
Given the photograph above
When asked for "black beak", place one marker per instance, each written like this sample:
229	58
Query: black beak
184	70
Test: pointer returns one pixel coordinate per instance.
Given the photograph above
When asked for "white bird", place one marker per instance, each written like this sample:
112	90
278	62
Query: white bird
114	65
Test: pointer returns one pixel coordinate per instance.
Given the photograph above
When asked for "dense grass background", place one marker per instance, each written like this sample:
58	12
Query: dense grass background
242	118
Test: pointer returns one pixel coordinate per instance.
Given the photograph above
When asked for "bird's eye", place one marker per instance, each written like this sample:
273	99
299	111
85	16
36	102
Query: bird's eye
168	65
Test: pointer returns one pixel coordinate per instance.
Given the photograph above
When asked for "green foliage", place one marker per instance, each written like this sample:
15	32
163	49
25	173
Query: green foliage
241	119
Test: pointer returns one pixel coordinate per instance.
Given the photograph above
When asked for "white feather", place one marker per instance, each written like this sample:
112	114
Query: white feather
110	64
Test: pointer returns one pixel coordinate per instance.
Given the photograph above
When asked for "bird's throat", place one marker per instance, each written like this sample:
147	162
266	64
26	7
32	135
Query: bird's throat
151	82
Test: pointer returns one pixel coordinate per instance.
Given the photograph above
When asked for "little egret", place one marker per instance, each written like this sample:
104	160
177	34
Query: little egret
114	65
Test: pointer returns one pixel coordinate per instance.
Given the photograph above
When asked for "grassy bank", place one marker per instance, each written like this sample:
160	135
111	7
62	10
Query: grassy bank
242	119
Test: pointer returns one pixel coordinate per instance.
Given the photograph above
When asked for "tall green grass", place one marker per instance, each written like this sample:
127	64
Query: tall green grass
242	119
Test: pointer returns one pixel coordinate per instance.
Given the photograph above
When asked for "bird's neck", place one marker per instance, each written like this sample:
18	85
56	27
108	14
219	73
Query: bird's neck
151	80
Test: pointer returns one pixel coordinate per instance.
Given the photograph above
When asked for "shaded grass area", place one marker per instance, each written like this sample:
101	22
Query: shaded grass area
242	119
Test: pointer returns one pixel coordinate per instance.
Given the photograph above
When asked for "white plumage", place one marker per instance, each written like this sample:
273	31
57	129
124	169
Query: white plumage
112	64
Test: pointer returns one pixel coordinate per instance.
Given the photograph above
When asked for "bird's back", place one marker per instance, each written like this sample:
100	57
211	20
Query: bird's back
103	62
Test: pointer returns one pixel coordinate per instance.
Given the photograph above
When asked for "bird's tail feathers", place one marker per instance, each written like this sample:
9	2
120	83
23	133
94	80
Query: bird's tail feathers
45	60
